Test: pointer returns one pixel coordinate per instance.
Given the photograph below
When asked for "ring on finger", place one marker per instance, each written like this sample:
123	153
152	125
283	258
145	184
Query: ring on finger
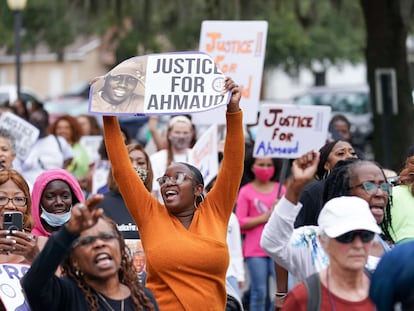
81	205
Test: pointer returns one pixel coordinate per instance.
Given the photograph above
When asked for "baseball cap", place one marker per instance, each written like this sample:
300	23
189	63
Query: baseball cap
134	67
345	214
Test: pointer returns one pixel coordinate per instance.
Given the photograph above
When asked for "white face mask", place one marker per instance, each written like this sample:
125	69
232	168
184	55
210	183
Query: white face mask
55	220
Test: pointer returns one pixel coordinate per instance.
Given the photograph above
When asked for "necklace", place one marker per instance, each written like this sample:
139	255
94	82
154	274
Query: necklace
107	305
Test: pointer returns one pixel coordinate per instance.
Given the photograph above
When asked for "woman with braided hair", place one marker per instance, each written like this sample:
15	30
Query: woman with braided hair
299	250
97	268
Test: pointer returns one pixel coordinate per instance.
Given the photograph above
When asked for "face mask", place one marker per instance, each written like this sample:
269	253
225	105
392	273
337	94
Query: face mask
180	142
263	173
55	220
142	173
253	132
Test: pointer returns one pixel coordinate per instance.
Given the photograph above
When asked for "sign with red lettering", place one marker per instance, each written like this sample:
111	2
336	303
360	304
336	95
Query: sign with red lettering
238	48
289	131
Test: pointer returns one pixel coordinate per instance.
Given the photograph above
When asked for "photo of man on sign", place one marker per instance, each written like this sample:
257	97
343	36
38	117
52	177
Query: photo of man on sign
166	83
122	90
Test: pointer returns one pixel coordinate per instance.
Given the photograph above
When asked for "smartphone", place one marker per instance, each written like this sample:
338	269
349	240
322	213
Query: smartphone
13	221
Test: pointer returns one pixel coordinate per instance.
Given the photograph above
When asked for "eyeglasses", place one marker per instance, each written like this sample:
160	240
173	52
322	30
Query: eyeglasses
90	239
372	188
17	201
178	179
365	236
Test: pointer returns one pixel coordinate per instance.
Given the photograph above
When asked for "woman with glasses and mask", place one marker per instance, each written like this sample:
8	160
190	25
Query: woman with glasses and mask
185	238
54	193
97	269
16	246
299	250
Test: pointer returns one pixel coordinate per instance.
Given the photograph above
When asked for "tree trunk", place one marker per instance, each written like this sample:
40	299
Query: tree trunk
386	25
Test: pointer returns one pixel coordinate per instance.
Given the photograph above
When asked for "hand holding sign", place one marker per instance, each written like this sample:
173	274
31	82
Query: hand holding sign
173	83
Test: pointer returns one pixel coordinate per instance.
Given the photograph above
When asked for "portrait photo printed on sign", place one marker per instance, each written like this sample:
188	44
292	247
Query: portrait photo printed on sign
167	83
121	90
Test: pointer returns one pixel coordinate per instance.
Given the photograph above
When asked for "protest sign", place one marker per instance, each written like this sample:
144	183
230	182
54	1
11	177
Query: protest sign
238	48
25	134
100	174
10	289
289	131
204	154
169	83
91	144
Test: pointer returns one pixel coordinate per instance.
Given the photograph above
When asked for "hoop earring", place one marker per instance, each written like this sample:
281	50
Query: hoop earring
326	174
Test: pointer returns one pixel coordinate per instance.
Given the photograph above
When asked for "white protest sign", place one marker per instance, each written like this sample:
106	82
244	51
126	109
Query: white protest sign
100	174
11	293
204	154
24	133
238	48
169	83
91	144
289	131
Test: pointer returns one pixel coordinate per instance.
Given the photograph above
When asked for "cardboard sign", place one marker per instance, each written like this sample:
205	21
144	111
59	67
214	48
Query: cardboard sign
238	48
24	133
204	154
10	289
289	131
170	83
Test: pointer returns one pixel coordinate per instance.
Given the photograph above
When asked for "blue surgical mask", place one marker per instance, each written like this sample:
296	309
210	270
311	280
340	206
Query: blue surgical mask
253	132
55	220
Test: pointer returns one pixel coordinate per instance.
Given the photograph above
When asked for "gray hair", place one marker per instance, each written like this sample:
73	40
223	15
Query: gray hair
7	135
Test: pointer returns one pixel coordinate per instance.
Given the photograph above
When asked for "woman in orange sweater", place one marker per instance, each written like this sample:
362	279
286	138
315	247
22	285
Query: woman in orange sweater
185	239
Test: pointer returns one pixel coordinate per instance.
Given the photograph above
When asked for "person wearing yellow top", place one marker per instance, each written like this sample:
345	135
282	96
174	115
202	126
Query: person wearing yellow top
185	238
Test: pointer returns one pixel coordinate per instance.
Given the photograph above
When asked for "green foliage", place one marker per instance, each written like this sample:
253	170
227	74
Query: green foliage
321	33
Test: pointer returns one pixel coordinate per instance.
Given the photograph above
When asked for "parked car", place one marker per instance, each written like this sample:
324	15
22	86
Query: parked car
65	105
8	93
351	101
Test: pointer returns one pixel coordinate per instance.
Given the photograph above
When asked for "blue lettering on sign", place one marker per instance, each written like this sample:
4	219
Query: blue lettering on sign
266	149
14	271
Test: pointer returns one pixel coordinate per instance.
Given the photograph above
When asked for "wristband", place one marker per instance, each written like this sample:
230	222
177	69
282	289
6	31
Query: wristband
280	295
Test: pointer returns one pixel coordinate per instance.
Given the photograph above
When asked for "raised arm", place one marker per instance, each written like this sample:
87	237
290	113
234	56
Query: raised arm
227	185
130	184
43	289
279	229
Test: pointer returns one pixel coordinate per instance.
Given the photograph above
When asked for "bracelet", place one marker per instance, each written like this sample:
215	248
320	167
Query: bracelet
280	295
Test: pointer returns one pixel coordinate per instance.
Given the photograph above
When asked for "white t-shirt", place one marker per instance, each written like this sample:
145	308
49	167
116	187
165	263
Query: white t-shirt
45	154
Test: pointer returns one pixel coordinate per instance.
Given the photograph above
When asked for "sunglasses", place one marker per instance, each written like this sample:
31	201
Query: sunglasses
365	236
90	239
372	188
178	179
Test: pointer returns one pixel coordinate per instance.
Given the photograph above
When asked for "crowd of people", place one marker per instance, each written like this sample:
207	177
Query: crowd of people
147	233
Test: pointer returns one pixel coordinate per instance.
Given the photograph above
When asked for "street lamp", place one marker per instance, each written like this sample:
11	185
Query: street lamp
17	6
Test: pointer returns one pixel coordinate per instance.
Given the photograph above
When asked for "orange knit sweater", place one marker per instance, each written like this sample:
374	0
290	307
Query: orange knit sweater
186	268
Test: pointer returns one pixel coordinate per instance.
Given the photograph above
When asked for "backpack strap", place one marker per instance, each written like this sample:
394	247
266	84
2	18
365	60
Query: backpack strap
314	292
